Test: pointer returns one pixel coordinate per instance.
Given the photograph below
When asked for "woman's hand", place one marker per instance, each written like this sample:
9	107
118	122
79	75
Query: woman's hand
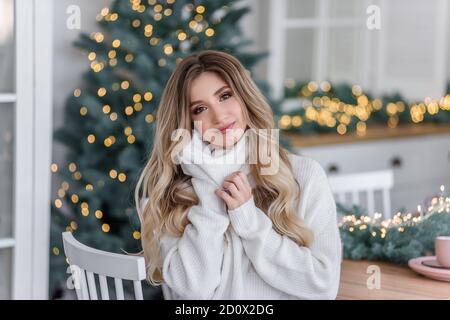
235	190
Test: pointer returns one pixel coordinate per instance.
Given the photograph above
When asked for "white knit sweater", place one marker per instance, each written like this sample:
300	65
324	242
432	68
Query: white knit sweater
254	262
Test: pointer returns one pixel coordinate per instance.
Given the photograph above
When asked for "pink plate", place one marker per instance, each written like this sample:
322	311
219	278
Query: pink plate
430	272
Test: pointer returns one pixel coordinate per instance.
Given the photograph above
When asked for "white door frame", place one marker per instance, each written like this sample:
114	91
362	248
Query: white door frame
33	148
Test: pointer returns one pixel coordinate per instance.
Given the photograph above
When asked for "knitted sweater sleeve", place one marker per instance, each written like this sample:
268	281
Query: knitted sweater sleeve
305	273
192	263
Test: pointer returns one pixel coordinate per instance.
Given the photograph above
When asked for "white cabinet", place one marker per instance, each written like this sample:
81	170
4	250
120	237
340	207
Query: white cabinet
420	164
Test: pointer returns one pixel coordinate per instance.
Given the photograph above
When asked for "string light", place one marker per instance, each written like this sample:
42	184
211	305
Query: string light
399	221
54	167
98	214
74	198
91	138
321	109
136	235
58	203
122	177
77	93
105	227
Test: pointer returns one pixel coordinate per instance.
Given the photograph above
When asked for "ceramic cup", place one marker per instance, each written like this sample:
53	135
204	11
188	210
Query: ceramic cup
442	248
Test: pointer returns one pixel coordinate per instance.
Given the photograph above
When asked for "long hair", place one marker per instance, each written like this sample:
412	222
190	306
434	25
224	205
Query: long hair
166	187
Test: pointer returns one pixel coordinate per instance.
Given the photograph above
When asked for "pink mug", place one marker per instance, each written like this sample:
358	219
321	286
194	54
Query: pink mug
442	248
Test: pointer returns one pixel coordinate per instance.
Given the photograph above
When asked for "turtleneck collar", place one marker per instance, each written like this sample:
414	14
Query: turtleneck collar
200	160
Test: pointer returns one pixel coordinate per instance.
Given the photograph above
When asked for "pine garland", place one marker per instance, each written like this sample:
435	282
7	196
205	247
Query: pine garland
404	237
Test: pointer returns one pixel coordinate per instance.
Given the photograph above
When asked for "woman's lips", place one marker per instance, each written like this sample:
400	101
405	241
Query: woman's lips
224	130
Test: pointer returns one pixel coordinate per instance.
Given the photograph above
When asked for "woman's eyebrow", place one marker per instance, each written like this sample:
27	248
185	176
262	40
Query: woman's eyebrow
215	93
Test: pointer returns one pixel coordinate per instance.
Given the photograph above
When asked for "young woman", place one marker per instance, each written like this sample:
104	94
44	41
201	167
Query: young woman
217	229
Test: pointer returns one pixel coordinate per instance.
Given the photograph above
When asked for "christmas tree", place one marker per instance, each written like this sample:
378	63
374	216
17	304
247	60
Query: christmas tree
109	121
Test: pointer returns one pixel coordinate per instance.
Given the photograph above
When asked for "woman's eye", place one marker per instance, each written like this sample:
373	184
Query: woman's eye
226	94
196	110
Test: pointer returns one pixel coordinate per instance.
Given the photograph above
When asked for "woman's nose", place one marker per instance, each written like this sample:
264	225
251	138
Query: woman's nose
219	115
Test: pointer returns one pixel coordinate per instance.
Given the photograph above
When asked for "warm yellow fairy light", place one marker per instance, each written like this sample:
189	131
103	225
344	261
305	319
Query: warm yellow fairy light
58	203
106	109
109	141
61	193
154	41
149	118
129	57
362	100
125	85
105	227
98	36
104	11
312	86
148	30
136	23
325	86
198	17
77	93
182	36
131	139
297	121
73	225
54	167
92	56
148	96
127	131
116	43
101	92
341	129
113	116
113	173
72	167
65	185
98	214
200	9
74	198
168	49
113	17
136	235
157	8
162	62
84	212
356	90
91	138
129	110
83	110
122	177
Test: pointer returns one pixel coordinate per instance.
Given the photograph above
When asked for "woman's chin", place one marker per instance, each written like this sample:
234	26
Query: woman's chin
228	141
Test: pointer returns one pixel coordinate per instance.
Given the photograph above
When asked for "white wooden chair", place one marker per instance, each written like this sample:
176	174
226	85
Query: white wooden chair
86	262
365	182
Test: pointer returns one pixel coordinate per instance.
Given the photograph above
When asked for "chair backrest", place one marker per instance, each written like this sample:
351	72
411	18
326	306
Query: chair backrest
365	182
86	262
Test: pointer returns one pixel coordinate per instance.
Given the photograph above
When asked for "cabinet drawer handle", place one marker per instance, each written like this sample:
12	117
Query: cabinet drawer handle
396	162
333	168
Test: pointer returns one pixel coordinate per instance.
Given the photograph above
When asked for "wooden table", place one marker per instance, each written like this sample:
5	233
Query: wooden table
397	283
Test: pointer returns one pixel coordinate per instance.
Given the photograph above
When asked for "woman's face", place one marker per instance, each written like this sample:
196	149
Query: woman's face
213	107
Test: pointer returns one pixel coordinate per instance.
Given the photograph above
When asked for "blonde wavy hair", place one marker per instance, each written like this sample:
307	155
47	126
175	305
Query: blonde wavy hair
164	183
